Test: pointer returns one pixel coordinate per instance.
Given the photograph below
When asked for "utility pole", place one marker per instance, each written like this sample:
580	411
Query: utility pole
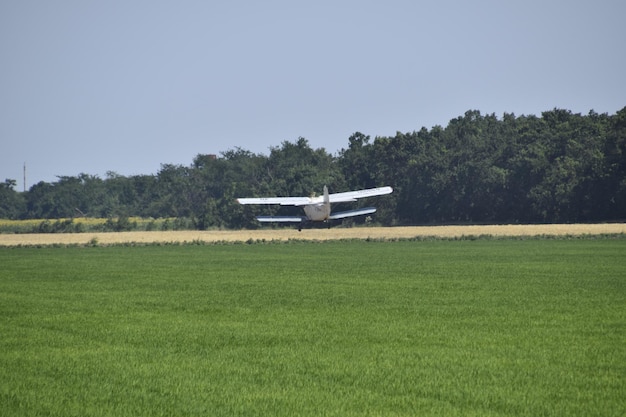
24	176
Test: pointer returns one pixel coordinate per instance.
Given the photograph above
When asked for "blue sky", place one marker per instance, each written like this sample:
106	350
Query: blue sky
125	86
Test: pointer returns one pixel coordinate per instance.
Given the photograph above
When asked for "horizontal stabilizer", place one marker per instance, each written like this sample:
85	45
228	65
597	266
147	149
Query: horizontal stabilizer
352	213
280	219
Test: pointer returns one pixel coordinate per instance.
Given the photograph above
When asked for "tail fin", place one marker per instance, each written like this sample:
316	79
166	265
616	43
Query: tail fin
326	197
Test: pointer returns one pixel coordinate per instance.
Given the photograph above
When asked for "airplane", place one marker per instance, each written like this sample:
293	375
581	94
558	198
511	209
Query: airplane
317	209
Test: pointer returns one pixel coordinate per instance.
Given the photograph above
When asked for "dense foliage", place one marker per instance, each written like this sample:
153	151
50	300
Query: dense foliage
560	167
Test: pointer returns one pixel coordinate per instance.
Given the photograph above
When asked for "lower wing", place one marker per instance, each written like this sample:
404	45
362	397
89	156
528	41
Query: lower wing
299	219
280	219
352	213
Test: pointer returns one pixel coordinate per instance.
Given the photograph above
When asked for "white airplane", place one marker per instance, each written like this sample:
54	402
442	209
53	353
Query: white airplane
317	209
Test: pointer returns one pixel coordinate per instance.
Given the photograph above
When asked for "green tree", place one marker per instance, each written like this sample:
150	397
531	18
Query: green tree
12	204
172	196
560	167
356	162
217	182
612	191
297	169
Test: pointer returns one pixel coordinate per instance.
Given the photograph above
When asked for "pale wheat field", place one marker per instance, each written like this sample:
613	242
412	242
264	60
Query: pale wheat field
321	234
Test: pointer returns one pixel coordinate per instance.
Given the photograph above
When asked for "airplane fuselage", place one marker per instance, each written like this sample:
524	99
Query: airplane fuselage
317	212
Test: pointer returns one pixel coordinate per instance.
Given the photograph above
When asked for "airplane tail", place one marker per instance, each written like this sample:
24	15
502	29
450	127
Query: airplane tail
326	201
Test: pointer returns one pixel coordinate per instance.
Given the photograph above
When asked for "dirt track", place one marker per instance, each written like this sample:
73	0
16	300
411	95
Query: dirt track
312	234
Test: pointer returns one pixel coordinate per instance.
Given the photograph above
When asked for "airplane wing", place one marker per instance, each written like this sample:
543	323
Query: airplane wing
354	195
303	201
283	201
281	219
351	213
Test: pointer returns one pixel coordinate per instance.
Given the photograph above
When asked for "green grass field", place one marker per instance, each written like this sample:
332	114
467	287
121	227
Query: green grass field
446	328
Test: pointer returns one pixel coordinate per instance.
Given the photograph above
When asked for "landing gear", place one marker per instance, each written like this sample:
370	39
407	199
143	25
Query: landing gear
314	225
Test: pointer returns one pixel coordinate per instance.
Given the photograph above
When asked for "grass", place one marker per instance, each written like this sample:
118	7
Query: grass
483	328
91	224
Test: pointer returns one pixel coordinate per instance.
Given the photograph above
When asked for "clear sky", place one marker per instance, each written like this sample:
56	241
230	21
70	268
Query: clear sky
128	85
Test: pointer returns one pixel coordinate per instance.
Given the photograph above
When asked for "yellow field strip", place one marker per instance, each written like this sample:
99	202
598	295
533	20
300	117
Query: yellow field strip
310	234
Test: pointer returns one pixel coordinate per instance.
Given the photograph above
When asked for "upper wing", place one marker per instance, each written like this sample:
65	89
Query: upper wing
354	195
283	201
303	201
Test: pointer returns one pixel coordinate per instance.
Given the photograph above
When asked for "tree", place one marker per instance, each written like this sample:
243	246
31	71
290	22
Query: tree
297	169
173	192
559	167
12	204
356	163
613	188
217	182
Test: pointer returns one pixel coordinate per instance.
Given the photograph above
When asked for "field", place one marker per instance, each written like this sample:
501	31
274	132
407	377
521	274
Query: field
322	234
90	224
341	328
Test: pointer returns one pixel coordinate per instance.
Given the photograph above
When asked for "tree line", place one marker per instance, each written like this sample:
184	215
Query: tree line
559	167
